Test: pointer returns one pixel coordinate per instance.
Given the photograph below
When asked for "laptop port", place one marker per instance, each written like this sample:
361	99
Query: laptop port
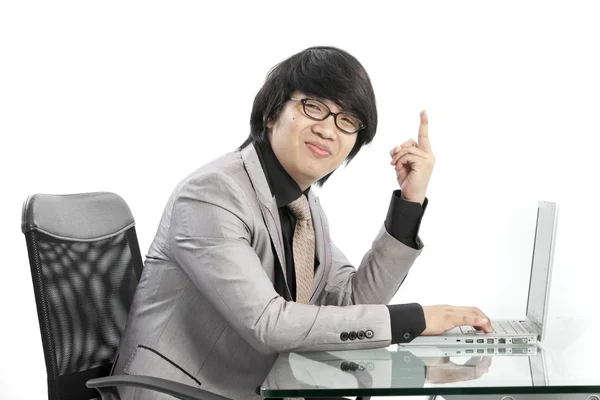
469	351
490	341
490	351
479	340
469	341
520	340
480	351
502	341
519	351
501	351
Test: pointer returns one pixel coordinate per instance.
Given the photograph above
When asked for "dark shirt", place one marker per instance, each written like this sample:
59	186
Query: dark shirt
402	222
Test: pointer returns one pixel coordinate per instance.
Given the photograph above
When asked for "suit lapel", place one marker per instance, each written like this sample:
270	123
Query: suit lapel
268	206
321	237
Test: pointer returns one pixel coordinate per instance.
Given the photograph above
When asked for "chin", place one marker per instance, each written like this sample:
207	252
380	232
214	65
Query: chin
315	178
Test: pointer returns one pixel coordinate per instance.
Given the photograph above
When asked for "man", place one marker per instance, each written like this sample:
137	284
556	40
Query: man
242	266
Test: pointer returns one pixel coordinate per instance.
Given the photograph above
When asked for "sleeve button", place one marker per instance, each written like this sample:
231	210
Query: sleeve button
352	335
344	336
369	334
360	335
406	335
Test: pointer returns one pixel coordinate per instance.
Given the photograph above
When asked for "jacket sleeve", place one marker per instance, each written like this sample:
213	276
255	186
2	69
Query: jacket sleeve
211	237
379	276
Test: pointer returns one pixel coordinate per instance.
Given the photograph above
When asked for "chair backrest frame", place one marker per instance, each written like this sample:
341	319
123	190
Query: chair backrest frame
112	219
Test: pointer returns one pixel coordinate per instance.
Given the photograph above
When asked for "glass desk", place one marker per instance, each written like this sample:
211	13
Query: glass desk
565	366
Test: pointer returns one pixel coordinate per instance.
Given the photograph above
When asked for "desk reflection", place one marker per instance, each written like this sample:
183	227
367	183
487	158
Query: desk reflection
566	363
384	368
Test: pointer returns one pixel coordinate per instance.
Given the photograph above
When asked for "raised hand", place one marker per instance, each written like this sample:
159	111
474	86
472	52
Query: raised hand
414	162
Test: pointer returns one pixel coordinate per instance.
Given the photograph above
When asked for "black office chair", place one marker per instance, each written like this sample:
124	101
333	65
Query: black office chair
85	264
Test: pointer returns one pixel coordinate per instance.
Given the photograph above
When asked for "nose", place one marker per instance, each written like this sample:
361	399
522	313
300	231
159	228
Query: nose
326	128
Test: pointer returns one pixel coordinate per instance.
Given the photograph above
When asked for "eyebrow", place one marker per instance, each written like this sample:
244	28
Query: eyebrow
327	102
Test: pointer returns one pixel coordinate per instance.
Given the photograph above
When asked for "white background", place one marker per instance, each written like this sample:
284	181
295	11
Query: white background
130	97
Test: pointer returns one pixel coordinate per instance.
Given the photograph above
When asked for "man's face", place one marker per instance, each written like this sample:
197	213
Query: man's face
308	149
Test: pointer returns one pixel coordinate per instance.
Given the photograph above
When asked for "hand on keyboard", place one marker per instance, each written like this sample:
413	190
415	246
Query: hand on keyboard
439	319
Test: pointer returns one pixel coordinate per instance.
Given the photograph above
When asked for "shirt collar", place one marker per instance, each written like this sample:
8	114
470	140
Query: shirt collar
282	186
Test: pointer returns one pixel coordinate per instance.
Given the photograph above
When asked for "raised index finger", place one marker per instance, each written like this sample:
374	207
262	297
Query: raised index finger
424	143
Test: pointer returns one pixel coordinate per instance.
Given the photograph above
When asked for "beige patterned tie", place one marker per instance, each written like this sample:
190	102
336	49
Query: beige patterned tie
303	246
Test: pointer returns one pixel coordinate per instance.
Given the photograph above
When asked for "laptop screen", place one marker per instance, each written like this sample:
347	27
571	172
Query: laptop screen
543	252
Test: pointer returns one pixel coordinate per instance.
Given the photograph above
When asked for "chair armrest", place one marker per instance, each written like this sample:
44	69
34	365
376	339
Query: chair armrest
106	387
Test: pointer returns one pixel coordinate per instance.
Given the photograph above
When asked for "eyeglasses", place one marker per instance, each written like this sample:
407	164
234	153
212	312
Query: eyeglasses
319	111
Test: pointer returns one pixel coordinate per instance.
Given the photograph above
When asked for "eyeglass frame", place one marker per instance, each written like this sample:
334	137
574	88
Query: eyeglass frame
304	100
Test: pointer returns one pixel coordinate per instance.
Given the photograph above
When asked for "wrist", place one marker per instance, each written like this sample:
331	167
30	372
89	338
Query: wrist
419	200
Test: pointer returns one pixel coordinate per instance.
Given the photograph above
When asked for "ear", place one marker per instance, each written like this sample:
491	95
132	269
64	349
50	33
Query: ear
270	123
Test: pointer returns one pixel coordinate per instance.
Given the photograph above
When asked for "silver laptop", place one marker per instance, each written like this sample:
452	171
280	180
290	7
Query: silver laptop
522	331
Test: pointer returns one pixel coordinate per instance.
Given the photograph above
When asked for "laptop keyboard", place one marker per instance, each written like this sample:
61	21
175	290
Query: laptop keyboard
500	327
507	327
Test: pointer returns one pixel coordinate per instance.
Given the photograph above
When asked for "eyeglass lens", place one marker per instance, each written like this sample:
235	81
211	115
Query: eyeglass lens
317	110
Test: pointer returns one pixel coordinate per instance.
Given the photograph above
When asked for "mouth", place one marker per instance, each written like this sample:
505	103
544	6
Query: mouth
317	150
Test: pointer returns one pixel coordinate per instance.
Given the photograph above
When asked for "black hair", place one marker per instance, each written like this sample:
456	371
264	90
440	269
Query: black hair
322	72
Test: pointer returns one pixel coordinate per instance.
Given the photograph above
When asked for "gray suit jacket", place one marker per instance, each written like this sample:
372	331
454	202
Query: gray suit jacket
205	311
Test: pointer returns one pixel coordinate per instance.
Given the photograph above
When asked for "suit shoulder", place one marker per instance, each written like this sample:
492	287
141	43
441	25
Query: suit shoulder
223	175
222	183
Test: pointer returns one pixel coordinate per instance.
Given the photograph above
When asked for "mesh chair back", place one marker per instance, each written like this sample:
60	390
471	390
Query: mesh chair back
85	264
